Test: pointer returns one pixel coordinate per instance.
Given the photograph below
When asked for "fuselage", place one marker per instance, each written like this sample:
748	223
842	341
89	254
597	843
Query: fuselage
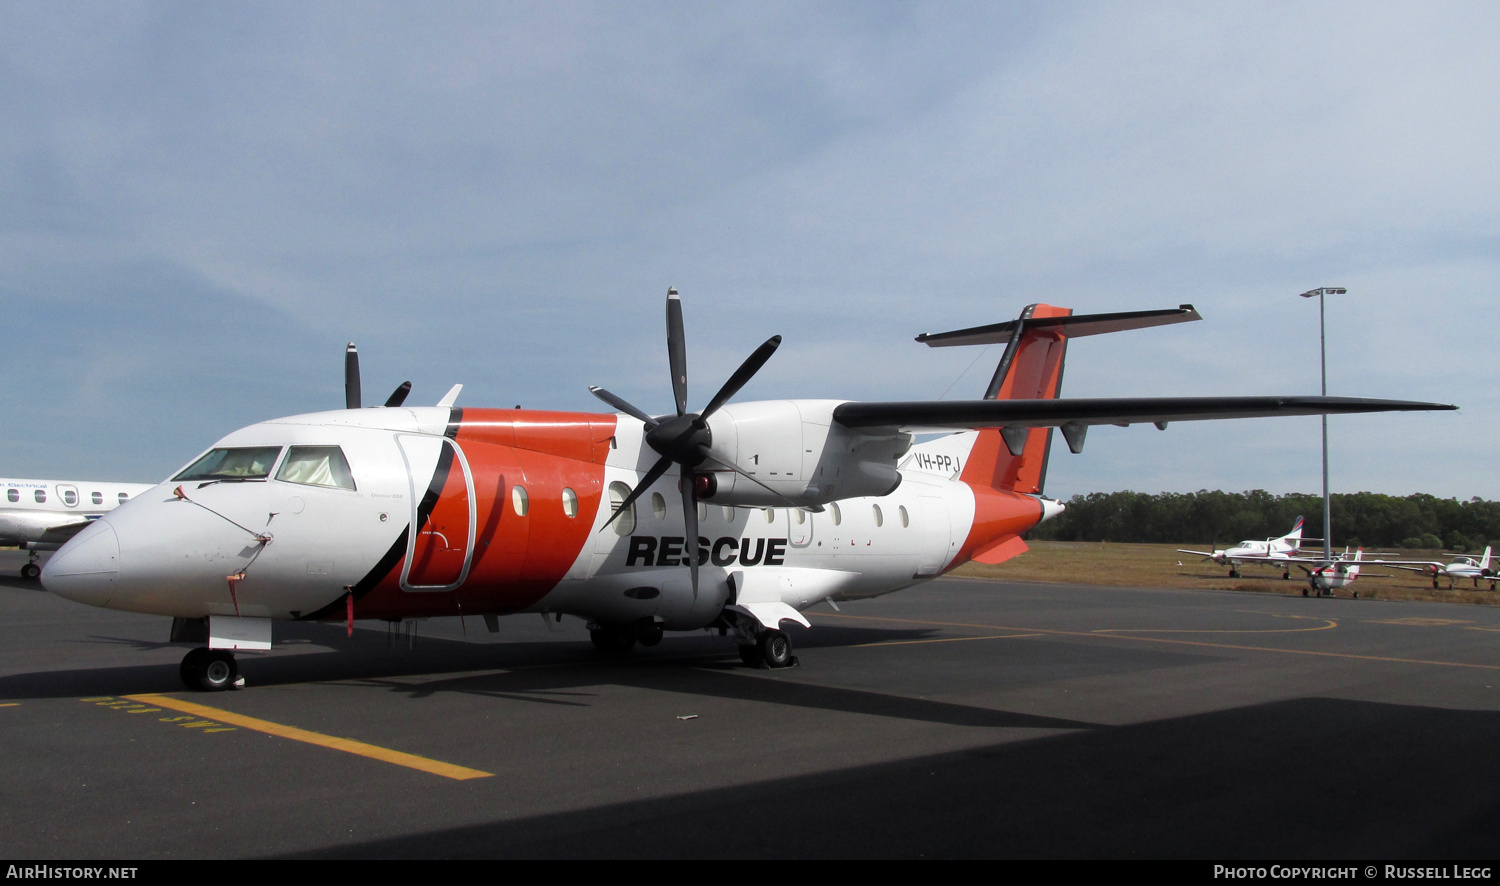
438	511
33	511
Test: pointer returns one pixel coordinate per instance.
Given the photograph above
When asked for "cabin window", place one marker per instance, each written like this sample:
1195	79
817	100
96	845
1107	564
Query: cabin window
801	516
97	498
41	496
625	523
123	496
233	463
770	515
879	517
570	502
69	497
658	506
905	518
728	514
702	512
838	515
316	466
519	501
13	494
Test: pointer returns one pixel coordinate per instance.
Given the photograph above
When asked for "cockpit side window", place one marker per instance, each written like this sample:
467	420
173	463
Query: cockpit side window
236	463
316	466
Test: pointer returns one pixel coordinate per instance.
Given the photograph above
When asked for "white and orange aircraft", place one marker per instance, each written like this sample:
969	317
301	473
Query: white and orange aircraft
732	519
40	515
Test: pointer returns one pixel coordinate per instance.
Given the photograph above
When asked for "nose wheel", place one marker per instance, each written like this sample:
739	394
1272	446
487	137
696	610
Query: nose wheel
210	670
31	572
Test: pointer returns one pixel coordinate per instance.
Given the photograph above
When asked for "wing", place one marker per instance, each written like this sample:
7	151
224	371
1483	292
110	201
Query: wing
1075	416
958	414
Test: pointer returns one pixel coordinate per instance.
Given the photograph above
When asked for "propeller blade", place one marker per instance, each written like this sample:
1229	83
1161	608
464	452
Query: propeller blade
621	405
651	477
690	517
398	396
746	371
351	377
677	350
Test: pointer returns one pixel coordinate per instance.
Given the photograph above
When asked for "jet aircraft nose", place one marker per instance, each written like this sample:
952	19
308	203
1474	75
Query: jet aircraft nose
86	567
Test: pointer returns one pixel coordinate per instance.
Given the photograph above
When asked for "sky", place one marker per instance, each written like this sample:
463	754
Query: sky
200	204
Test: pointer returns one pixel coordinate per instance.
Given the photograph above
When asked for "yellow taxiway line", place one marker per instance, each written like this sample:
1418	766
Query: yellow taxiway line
374	752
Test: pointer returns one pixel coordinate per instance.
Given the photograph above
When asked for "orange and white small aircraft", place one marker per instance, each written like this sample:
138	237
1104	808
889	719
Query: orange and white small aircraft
734	518
40	515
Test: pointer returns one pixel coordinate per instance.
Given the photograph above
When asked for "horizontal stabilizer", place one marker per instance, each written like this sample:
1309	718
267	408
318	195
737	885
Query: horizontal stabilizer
938	415
1072	326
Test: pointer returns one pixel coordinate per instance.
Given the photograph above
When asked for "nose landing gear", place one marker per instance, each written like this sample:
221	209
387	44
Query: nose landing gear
210	670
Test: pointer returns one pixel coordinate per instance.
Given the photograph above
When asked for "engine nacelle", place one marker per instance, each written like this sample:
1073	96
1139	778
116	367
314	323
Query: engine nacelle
795	448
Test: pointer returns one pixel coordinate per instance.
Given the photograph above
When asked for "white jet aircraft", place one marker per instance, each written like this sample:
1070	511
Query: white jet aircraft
1277	552
40	515
734	519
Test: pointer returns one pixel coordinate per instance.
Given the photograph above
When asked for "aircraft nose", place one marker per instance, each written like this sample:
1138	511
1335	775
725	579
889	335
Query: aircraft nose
86	567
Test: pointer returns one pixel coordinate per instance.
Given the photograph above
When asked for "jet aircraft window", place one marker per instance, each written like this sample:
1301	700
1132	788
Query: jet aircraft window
905	518
838	515
123	496
658	506
728	514
702	512
570	502
40	496
13	494
625	523
879	517
97	498
237	463
316	466
800	514
70	498
519	500
770	515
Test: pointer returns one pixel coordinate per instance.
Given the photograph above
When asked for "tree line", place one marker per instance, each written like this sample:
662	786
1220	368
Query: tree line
1207	517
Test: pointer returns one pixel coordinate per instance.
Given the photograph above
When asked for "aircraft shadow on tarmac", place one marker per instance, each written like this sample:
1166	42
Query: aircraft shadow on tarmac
1312	778
550	672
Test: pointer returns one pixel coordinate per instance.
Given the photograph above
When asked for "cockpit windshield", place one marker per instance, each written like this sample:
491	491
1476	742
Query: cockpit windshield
316	466
236	463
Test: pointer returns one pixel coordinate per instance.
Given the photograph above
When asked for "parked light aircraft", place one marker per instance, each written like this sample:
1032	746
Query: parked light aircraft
772	507
40	515
1271	552
1325	576
1462	567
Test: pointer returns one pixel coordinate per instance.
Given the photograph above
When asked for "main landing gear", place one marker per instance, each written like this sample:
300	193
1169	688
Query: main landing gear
210	670
770	649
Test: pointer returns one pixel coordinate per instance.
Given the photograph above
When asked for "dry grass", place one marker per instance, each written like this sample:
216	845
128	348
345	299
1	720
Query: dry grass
1161	566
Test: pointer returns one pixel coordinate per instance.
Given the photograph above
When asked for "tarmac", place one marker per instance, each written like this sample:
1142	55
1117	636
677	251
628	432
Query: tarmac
962	718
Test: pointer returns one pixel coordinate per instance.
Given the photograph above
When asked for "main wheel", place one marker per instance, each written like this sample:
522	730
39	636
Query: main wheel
649	634
776	648
1234	573
613	639
31	572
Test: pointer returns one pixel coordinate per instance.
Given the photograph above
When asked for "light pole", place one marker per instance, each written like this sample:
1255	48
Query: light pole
1323	359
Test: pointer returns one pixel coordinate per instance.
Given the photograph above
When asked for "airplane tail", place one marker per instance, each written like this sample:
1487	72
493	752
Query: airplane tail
1353	572
1015	459
1294	538
1484	564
